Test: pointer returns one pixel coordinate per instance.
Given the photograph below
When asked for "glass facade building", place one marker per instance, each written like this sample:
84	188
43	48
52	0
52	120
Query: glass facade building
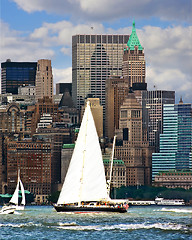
15	74
94	59
153	102
176	140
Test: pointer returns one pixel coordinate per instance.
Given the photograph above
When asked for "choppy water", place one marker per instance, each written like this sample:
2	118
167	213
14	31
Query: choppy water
138	223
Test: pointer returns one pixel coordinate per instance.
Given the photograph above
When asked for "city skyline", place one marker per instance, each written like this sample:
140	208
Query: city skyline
32	30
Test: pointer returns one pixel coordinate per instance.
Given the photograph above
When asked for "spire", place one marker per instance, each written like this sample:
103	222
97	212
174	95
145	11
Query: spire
181	100
133	39
133	26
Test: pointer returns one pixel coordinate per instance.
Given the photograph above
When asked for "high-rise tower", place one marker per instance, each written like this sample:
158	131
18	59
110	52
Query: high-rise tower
44	79
153	112
176	140
94	59
134	60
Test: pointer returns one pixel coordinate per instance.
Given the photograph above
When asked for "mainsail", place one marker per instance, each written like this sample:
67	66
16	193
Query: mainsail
22	193
85	179
15	197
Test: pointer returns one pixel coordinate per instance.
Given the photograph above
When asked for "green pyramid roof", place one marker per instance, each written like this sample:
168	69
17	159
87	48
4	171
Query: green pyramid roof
134	40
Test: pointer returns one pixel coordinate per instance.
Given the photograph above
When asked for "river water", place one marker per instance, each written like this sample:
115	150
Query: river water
150	223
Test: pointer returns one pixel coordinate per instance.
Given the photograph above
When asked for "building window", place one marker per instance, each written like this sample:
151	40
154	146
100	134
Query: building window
13	120
123	113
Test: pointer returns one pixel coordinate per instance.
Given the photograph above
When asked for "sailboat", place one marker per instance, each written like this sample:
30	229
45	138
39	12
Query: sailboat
85	188
14	201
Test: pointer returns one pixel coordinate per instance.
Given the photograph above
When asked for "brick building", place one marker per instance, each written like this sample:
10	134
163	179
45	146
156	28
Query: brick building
34	161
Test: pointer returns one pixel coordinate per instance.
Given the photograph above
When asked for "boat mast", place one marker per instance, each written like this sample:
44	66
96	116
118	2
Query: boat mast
111	167
84	154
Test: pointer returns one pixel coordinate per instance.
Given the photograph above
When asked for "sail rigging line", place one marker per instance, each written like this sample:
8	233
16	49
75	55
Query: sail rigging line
84	153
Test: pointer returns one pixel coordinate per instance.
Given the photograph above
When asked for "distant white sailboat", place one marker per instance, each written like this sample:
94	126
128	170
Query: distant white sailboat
85	187
14	201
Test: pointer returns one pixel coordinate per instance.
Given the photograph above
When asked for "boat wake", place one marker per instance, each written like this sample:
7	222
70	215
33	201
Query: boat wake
176	210
17	213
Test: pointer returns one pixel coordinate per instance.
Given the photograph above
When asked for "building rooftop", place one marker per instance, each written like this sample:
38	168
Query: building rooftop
69	145
115	161
133	39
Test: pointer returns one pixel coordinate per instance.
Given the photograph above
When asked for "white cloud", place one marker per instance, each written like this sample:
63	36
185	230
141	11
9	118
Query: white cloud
111	9
15	46
62	75
169	59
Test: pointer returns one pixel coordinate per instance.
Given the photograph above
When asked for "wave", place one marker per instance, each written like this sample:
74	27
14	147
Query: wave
123	227
176	210
21	225
68	224
162	226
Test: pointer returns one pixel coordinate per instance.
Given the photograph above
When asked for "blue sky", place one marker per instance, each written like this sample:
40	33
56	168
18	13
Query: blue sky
31	30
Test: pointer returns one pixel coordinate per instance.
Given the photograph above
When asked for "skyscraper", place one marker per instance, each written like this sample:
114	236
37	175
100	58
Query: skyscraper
44	79
117	89
176	140
134	60
16	74
94	59
134	151
152	102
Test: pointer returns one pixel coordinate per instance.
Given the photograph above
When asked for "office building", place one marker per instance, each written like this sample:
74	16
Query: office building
21	100
134	149
152	102
97	111
94	59
63	87
174	179
66	154
57	137
134	60
12	119
34	161
44	79
28	90
43	106
117	89
15	74
175	141
118	177
69	113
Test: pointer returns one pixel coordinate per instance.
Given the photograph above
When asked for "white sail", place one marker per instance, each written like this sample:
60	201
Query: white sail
22	193
85	179
15	197
111	167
